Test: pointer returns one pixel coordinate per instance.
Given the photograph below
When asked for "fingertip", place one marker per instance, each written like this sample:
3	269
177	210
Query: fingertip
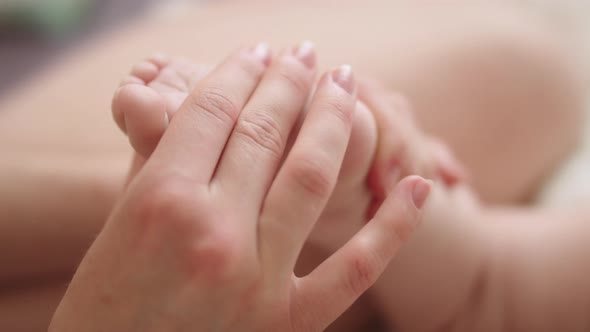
420	192
400	212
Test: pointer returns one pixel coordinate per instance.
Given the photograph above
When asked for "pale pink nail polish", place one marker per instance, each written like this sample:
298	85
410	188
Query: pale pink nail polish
420	192
344	78
305	52
262	52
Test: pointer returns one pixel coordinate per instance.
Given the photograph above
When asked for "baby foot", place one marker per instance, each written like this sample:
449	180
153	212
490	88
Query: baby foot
148	98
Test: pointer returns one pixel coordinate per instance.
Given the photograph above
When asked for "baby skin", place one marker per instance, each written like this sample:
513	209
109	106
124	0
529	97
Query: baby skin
466	268
384	147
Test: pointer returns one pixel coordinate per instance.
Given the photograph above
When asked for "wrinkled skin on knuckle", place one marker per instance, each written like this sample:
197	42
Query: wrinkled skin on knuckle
216	103
160	198
312	177
363	271
220	256
263	131
167	211
175	220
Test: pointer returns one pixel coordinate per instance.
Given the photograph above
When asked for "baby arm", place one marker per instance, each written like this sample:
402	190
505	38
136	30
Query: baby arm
434	277
472	268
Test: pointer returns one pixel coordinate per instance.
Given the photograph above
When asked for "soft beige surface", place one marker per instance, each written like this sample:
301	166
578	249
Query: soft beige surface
571	183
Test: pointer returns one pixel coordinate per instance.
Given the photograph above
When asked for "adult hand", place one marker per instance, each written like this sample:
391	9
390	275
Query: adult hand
206	236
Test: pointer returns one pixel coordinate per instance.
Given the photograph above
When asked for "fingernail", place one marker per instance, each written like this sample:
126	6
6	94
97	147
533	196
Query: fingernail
420	192
344	78
262	52
305	52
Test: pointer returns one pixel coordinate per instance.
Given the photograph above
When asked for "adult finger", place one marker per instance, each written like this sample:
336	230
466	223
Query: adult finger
335	284
307	178
198	132
254	150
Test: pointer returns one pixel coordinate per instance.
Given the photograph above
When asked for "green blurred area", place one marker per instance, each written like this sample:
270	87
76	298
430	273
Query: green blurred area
51	17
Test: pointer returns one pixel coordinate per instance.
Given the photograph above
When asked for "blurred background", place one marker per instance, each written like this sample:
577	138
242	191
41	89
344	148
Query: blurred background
32	32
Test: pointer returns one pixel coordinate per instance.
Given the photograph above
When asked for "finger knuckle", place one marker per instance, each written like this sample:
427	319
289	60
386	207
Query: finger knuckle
362	272
215	103
173	218
219	257
160	205
313	177
263	131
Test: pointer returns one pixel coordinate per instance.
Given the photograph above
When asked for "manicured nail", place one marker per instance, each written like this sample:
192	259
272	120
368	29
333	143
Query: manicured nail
344	78
262	52
420	192
305	52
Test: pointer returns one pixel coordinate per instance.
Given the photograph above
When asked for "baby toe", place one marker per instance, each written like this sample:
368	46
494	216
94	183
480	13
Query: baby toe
161	60
130	79
142	111
145	71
